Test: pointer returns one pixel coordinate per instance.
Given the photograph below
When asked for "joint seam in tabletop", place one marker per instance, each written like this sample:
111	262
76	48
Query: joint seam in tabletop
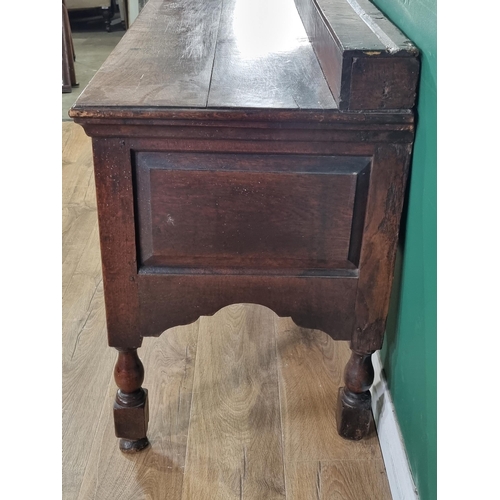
215	54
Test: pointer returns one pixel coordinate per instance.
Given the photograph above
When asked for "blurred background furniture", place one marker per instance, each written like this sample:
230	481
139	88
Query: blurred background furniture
107	8
68	53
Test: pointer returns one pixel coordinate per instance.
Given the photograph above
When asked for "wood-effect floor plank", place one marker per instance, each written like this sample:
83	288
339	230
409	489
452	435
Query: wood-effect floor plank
235	444
319	464
311	368
338	480
86	361
79	219
157	472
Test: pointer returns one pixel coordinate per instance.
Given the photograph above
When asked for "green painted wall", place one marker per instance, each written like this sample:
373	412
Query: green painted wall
409	353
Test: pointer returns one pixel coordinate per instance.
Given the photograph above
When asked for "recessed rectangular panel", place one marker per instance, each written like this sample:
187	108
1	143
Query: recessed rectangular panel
237	212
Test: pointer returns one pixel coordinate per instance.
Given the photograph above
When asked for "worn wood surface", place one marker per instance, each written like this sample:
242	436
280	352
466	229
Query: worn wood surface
173	299
157	291
209	53
327	480
383	215
164	59
117	239
131	406
123	118
298	370
253	217
264	59
199	211
235	445
260	55
368	63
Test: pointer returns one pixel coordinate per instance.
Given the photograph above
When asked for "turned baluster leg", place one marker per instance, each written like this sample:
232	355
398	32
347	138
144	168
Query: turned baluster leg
131	404
354	413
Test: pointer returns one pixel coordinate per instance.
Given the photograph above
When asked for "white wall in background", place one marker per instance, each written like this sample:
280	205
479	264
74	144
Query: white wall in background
134	7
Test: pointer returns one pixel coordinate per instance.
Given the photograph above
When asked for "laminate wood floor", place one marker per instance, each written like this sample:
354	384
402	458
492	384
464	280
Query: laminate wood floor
242	404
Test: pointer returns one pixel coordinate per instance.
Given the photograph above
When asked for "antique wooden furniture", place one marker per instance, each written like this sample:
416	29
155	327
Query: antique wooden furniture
251	151
68	54
106	7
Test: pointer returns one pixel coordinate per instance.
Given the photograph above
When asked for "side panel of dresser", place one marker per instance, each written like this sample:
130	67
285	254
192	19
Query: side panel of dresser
353	306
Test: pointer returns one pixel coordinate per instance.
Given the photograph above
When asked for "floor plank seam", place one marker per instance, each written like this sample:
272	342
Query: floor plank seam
318	481
89	312
280	398
186	456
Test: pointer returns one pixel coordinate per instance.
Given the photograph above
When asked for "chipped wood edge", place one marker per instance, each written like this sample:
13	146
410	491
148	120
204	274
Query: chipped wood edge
391	440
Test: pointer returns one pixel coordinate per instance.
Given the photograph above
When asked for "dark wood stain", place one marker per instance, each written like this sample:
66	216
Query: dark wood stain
322	303
225	173
277	68
165	59
260	212
368	63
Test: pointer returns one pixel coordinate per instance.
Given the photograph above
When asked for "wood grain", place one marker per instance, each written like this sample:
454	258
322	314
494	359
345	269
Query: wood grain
350	29
317	302
114	188
264	59
368	63
254	54
235	448
235	357
334	480
311	367
169	367
87	362
194	54
90	451
252	215
164	59
383	213
78	200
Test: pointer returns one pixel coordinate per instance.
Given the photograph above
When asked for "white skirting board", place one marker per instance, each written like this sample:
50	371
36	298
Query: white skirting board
390	438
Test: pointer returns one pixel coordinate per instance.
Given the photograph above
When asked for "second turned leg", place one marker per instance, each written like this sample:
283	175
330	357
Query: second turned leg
354	415
131	404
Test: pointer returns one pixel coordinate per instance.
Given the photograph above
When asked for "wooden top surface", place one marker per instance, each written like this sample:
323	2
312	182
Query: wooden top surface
257	56
358	25
196	54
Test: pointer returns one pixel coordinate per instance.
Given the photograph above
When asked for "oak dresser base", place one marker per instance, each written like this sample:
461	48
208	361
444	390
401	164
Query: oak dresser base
225	175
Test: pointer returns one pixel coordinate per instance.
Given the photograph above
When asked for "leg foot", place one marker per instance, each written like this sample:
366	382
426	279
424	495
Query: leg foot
131	446
130	409
354	414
